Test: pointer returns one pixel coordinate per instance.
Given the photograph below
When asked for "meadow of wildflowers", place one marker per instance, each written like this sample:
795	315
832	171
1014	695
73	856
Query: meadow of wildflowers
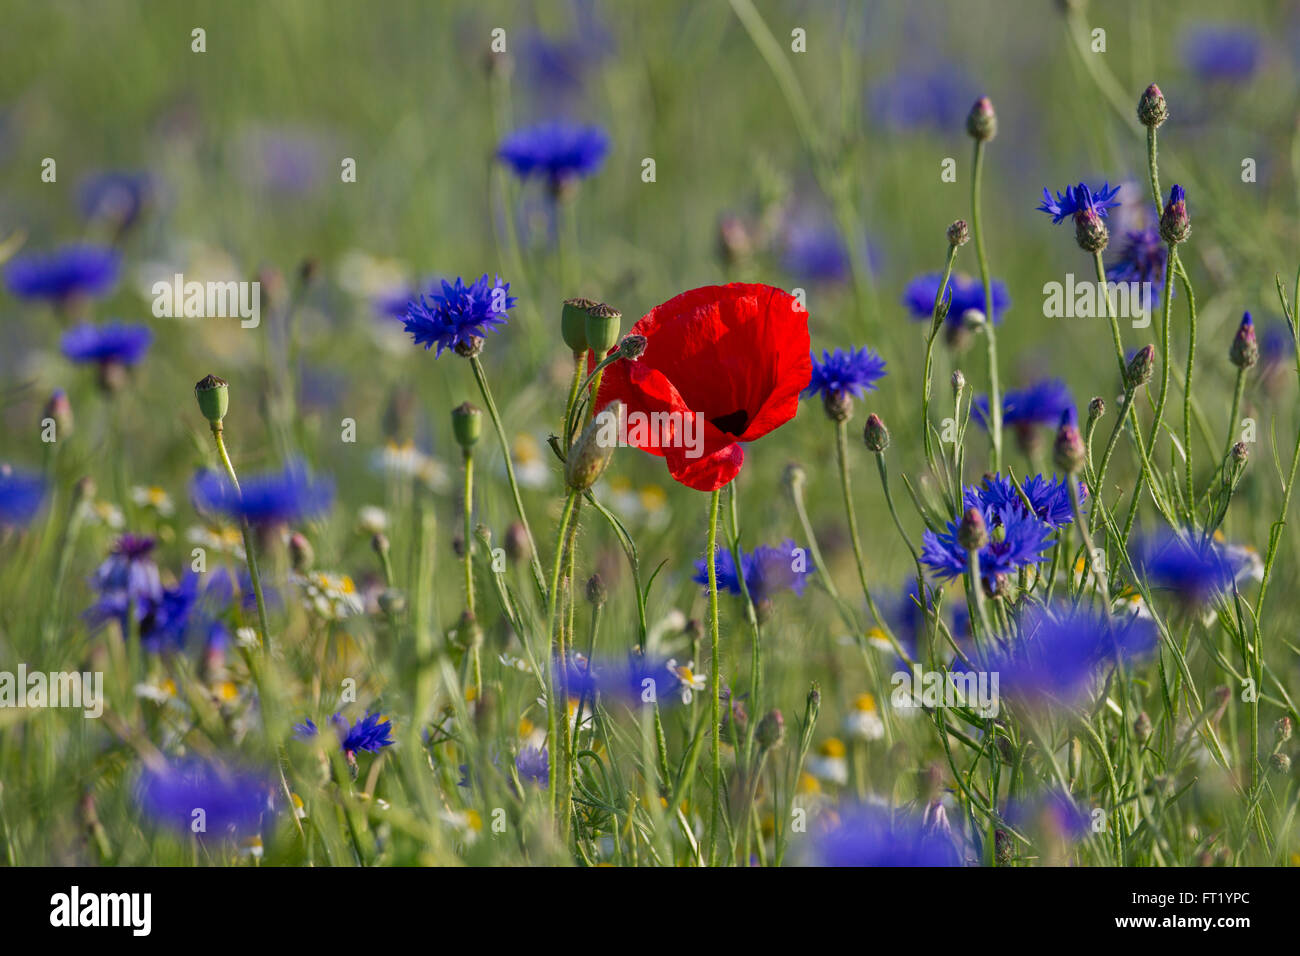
744	433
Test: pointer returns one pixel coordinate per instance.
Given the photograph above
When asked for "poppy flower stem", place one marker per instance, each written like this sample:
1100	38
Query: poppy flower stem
715	679
250	554
534	560
552	694
995	396
579	366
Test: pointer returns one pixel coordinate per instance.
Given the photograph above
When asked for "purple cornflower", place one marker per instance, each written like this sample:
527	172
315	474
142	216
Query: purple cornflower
1015	539
1040	404
116	196
232	799
1140	258
20	496
1221	52
767	570
1050	497
66	273
917	99
633	679
129	570
460	316
872	836
557	151
1052	812
274	498
967	292
533	764
1193	572
371	734
111	344
1079	199
839	373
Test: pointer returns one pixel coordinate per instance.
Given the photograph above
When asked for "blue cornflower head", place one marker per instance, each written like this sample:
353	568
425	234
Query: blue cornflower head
907	618
1058	654
20	496
767	570
281	497
1275	344
129	570
533	764
1015	539
1140	258
872	836
459	316
557	151
232	799
165	623
1079	199
925	98
1040	404
113	343
371	733
117	196
1052	814
1192	571
837	373
1217	52
65	273
966	292
1050	497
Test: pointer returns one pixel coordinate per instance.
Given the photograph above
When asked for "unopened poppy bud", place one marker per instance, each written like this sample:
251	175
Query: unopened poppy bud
1152	109
466	424
981	121
597	593
972	533
592	451
1068	453
958	233
1096	408
1240	452
1090	230
1282	730
602	328
573	323
301	555
517	548
1140	368
632	347
213	395
59	410
1280	764
875	434
838	405
1142	727
1244	352
1175	224
770	730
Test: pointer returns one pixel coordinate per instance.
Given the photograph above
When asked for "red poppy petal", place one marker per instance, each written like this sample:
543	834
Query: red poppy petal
709	472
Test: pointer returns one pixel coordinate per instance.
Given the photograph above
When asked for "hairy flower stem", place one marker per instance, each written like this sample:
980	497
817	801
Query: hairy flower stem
936	325
1187	384
250	553
483	388
995	394
469	541
715	678
553	703
579	366
751	616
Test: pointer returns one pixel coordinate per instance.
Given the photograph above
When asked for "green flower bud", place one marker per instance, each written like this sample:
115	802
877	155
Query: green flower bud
573	323
982	122
1152	109
972	533
466	424
602	328
213	395
875	434
592	451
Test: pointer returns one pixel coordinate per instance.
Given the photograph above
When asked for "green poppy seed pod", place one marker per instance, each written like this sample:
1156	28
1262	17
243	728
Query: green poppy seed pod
1282	730
1244	352
1068	453
301	555
466	424
1096	408
573	323
958	233
1175	223
602	328
632	347
597	593
1142	727
770	730
1140	368
1090	230
1152	108
1280	764
592	451
875	434
981	121
972	533
213	395
838	405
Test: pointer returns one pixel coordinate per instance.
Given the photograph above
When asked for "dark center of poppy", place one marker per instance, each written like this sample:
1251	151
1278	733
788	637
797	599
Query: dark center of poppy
733	423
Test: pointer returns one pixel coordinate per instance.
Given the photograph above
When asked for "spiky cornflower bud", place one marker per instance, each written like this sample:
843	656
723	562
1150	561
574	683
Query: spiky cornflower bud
301	555
1142	727
1244	352
59	410
1090	230
875	434
469	348
1152	109
1280	763
593	449
1140	368
466	424
838	405
602	328
1096	408
1282	730
1004	850
770	730
632	347
981	121
597	593
958	233
213	395
1068	453
958	382
972	533
573	323
1240	452
1175	224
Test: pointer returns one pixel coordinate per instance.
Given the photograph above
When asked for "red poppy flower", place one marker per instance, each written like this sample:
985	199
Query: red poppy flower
734	358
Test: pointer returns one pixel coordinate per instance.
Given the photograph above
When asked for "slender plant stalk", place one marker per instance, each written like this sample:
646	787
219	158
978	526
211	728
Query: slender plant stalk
977	232
715	678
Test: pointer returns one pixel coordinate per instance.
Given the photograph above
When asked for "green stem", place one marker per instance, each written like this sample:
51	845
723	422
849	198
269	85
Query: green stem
250	553
995	395
469	541
715	677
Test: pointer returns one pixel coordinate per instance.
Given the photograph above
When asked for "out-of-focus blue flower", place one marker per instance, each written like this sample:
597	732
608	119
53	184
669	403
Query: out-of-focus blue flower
459	314
633	679
117	196
114	343
396	303
1050	497
556	151
533	764
232	799
66	273
1052	813
129	570
286	160
371	734
1275	344
1140	257
907	619
927	98
767	570
967	293
1222	52
1040	404
854	372
1079	199
20	496
274	498
871	836
1193	572
1058	654
1016	539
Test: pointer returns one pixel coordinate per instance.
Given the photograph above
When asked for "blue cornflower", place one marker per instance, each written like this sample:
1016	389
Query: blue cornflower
1040	404
907	618
1052	813
922	98
20	496
1140	258
1079	199
838	373
371	733
1016	539
129	571
1193	572
65	273
1057	655
967	292
232	799
557	151
872	836
533	764
165	623
1050	497
275	498
1217	52
116	195
459	316
767	570
111	344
